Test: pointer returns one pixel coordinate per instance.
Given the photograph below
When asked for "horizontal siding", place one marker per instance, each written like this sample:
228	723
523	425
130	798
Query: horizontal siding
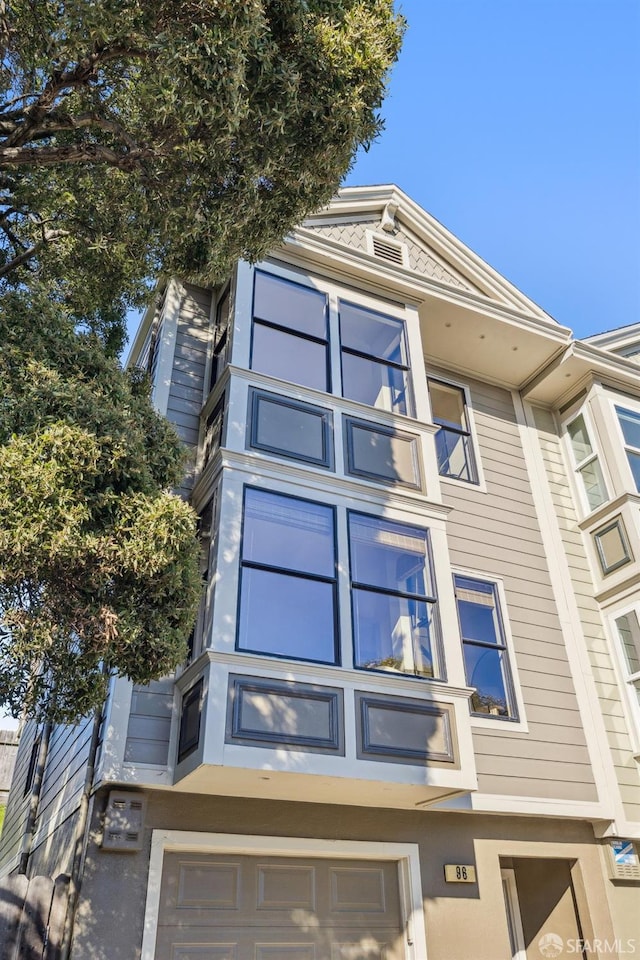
186	393
597	643
17	806
149	726
497	533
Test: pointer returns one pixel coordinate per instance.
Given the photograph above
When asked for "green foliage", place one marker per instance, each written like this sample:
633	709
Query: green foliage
99	562
144	132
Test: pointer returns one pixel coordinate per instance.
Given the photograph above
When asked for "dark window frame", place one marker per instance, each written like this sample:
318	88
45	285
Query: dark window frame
221	337
271	568
471	460
282	328
256	395
192	696
439	668
501	645
363	355
349	423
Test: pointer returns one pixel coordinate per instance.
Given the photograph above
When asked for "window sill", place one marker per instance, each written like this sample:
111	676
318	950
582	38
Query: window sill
478	486
505	724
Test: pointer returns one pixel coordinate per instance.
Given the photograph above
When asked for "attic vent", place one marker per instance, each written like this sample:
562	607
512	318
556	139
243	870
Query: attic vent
386	248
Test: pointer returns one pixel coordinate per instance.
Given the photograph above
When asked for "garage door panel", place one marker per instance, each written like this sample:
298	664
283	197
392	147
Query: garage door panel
238	907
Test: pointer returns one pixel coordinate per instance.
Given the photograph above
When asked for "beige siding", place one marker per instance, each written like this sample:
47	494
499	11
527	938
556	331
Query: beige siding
597	644
189	368
497	533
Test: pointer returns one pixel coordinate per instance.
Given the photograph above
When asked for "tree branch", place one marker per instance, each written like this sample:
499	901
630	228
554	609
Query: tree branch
28	254
75	153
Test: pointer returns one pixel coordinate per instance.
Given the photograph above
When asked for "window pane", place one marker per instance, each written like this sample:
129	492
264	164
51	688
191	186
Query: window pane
634	463
579	437
484	672
392	633
447	405
477	611
375	384
287	616
371	333
612	547
283	532
629	631
289	357
593	481
290	305
630	423
389	555
291	429
454	453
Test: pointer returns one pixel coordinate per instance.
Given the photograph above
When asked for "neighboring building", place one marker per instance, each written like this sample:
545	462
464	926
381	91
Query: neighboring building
8	750
410	721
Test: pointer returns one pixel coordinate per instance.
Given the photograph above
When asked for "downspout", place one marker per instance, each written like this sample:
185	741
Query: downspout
81	835
34	801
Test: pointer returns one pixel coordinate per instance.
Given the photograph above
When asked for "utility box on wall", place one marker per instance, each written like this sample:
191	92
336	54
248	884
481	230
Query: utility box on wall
124	821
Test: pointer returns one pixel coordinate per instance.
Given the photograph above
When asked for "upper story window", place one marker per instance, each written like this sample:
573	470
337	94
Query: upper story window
288	578
393	597
290	332
288	587
221	338
290	341
628	631
586	463
629	421
375	370
484	647
454	444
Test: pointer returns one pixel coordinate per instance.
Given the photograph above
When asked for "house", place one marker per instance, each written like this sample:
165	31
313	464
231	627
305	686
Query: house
409	723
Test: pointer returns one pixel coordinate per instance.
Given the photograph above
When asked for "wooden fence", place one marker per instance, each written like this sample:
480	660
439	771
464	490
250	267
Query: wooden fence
32	913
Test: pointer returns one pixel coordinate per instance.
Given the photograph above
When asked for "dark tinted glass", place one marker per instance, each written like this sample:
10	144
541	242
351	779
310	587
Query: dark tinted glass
477	610
484	672
290	305
287	616
283	532
289	357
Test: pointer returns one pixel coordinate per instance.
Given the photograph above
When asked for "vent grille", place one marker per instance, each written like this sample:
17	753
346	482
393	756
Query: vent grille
392	251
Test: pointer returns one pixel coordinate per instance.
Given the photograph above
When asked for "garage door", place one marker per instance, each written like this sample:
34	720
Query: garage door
273	908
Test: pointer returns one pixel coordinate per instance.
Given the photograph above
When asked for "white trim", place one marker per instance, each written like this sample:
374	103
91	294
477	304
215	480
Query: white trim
630	708
609	803
166	347
575	469
407	856
507	724
633	405
512	906
479	484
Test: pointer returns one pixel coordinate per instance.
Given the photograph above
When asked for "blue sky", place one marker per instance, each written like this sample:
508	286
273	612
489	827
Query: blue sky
517	124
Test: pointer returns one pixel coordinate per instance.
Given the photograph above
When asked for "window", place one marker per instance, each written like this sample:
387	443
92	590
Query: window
288	578
629	421
628	631
213	431
586	463
375	370
484	648
393	598
454	446
289	428
612	546
290	332
190	721
220	338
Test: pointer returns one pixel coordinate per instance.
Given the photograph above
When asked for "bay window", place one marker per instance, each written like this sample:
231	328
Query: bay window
586	463
629	421
375	370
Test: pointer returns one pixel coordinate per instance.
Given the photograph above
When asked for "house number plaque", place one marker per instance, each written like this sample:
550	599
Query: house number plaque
459	873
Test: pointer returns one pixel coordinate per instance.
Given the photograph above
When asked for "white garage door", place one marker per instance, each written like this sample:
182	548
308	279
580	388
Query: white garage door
232	907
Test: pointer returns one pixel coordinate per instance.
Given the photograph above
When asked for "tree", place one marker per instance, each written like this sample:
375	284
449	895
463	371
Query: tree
140	133
99	568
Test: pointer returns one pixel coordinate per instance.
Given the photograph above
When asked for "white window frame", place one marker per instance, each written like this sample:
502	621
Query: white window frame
626	681
507	724
479	483
406	855
633	405
577	468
